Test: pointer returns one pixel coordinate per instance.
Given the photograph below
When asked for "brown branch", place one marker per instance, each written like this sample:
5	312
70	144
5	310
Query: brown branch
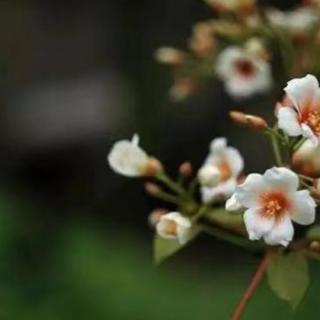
255	281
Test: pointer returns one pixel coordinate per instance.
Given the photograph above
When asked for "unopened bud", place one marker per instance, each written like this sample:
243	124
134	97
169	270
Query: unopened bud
256	123
155	215
233	204
209	176
182	88
153	167
186	169
170	56
152	188
248	120
314	245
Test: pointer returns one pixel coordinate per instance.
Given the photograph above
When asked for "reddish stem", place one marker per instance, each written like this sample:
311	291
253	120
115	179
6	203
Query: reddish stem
255	281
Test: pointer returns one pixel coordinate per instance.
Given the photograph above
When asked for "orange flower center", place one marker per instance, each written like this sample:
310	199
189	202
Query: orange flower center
225	170
313	121
274	204
245	67
171	228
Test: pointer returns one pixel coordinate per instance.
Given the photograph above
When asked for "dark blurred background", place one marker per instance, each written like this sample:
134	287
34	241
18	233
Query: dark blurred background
75	76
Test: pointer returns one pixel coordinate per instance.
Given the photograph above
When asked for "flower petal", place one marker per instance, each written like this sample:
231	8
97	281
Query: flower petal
234	160
248	192
218	144
257	224
302	90
221	191
282	178
281	233
127	158
232	204
303	211
309	134
288	121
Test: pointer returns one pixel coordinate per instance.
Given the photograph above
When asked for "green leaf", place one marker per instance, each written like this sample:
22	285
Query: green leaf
314	233
288	277
164	248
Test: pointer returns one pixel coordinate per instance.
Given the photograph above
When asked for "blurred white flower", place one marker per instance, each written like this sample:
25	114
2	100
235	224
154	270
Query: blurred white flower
302	117
272	201
233	204
244	72
229	163
231	5
297	21
174	225
209	175
128	159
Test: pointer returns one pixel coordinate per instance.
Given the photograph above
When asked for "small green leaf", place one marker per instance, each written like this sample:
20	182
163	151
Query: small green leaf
314	233
288	277
164	248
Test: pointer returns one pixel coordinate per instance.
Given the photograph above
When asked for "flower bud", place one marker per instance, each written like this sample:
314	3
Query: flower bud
209	176
233	204
182	88
174	225
314	246
170	56
155	215
306	160
153	167
248	120
186	169
152	188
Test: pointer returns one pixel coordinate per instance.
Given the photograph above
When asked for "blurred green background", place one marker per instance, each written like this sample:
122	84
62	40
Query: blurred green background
74	241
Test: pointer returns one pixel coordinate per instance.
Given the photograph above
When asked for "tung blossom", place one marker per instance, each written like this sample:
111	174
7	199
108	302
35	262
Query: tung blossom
129	159
219	174
244	72
301	114
174	225
272	202
297	21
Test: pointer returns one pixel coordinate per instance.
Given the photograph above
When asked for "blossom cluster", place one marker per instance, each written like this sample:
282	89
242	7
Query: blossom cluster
270	202
242	45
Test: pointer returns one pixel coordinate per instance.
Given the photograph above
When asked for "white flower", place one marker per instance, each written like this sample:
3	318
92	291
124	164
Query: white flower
302	117
231	5
229	163
233	204
174	226
296	21
209	176
243	72
127	158
272	203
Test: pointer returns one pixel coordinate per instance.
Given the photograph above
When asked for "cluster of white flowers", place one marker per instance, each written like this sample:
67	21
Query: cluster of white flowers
296	21
220	172
271	201
244	70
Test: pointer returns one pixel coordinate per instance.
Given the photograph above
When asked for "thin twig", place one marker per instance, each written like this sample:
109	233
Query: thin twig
255	281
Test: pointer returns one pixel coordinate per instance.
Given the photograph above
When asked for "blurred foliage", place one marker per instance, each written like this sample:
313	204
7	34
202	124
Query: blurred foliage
89	273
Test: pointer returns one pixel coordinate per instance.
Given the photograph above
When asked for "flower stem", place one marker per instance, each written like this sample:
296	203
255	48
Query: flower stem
163	177
167	197
276	150
255	281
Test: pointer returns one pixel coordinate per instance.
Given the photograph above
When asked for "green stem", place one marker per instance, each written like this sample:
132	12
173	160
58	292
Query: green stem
276	150
228	237
167	197
164	178
299	144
